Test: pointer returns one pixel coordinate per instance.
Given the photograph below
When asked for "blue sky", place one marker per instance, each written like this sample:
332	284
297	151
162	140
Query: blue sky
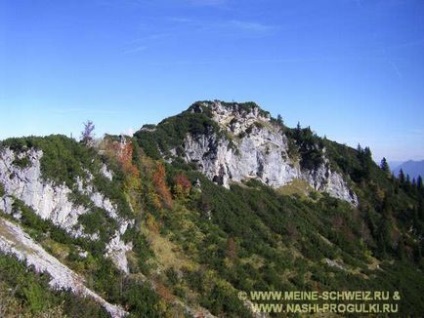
353	70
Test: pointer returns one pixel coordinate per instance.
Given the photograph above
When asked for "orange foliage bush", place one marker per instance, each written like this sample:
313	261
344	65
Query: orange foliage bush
161	187
164	292
125	159
122	155
182	185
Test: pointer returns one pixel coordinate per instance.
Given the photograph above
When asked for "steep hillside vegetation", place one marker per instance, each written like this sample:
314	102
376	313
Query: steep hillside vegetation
154	228
230	142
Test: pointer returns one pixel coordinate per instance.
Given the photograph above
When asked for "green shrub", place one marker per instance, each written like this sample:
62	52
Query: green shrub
22	163
2	190
29	294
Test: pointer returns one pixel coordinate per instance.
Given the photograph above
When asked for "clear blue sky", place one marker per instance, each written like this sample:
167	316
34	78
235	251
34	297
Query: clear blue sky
353	70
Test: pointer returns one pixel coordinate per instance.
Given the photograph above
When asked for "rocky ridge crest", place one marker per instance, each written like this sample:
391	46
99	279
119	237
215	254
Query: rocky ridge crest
252	146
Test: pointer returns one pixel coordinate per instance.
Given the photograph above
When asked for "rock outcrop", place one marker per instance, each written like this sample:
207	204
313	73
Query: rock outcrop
16	242
52	202
251	146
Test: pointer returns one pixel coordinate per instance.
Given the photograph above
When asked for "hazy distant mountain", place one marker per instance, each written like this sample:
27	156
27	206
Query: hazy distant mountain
411	167
394	164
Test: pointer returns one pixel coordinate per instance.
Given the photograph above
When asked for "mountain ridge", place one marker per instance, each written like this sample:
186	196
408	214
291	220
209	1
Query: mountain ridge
153	235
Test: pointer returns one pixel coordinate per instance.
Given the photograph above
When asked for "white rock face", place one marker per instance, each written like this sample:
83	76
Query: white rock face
16	242
260	154
323	179
48	201
116	250
51	201
106	172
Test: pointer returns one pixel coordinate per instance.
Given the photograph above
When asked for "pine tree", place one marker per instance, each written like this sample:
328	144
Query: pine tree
298	132
368	154
401	177
280	119
385	166
419	183
365	158
420	209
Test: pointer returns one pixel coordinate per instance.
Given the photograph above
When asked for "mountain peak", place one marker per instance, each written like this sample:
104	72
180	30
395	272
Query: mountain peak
236	142
218	107
232	116
411	167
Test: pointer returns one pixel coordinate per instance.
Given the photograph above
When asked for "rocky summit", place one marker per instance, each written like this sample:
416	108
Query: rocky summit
252	146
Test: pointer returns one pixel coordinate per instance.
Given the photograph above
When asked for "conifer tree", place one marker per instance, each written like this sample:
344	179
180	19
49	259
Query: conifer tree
365	158
385	166
401	177
280	119
419	183
298	132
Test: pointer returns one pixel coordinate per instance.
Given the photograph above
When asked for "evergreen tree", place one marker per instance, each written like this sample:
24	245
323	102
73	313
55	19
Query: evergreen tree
419	183
365	159
280	119
385	166
368	154
401	177
298	133
421	209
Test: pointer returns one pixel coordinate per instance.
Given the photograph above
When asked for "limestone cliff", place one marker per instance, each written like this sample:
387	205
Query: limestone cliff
250	145
52	202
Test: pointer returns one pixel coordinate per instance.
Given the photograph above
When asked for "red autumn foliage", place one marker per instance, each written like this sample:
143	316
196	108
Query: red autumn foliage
125	159
164	292
122	153
161	187
182	184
